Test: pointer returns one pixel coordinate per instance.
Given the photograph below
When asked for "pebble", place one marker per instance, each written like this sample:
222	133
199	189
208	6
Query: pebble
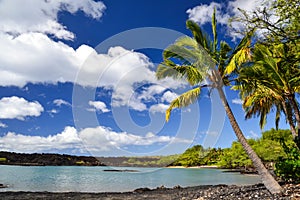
224	192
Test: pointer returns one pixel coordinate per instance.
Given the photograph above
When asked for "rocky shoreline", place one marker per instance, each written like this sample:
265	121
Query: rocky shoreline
206	192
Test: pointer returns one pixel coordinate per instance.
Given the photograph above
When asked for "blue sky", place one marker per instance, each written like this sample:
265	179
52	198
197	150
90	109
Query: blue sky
78	77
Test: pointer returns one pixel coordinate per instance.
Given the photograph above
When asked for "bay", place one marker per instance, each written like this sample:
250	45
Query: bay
96	179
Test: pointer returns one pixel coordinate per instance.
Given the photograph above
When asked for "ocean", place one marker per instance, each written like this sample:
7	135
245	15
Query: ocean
96	179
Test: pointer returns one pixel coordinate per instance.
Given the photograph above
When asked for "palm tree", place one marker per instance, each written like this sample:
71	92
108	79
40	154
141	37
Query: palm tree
198	58
271	80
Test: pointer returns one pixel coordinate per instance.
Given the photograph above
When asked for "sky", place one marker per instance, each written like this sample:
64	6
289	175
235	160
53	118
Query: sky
78	77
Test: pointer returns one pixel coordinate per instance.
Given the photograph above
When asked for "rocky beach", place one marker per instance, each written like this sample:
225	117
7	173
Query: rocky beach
209	192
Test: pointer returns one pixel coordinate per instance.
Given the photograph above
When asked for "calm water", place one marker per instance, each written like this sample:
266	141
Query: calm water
94	179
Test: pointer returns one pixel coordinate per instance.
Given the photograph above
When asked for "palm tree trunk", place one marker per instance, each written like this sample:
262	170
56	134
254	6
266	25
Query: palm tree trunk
288	115
297	115
268	180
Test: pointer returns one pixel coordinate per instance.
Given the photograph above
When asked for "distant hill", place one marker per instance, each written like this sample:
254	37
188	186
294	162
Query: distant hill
36	159
47	159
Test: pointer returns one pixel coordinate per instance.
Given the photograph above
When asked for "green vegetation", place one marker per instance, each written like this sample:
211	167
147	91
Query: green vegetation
197	156
3	159
191	157
79	162
275	146
288	168
268	148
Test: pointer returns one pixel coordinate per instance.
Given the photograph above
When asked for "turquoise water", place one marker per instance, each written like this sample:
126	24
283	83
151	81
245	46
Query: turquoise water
94	179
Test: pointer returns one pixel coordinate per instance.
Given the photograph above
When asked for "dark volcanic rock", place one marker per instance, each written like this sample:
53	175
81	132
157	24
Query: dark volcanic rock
258	192
44	159
141	190
120	170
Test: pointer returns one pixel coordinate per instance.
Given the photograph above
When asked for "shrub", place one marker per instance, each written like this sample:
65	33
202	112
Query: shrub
288	168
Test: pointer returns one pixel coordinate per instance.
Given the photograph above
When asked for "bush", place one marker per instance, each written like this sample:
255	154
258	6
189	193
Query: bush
288	168
80	162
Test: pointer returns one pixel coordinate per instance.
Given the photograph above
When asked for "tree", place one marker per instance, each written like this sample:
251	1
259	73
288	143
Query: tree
276	21
270	81
197	58
277	24
191	157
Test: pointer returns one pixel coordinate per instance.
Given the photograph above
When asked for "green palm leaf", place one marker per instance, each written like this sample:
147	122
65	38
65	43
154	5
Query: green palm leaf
241	54
183	100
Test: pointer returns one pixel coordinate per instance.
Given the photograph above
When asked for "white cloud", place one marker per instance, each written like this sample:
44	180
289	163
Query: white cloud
59	102
202	14
24	143
30	55
233	8
18	108
102	138
237	101
2	125
99	106
34	57
149	92
42	16
169	96
159	108
28	52
40	60
93	139
248	6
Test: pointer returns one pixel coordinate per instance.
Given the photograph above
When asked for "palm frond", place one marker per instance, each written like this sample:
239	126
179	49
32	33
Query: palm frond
186	56
241	54
165	70
198	34
187	41
214	29
183	100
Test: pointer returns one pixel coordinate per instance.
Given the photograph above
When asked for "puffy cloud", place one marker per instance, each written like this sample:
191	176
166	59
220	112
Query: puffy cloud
169	96
237	101
150	91
203	13
159	108
42	16
25	143
59	102
40	60
34	57
18	108
99	106
102	138
30	55
248	6
93	139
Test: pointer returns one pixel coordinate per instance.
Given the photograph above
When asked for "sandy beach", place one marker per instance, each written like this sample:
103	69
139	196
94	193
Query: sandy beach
194	167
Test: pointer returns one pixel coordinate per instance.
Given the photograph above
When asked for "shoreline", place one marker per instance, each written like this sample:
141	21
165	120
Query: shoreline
195	167
202	192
